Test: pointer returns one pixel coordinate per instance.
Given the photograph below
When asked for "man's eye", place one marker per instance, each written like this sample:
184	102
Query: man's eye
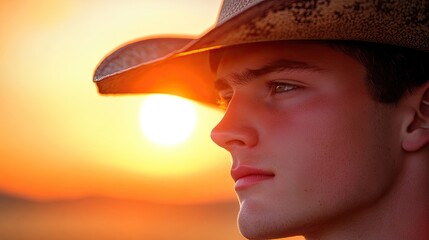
223	102
225	96
280	87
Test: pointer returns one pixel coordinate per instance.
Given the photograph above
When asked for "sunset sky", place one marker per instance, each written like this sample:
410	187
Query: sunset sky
75	164
60	139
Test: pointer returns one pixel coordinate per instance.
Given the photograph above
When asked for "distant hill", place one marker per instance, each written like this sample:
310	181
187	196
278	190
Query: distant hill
105	218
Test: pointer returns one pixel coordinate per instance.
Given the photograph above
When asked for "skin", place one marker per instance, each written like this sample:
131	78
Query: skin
335	153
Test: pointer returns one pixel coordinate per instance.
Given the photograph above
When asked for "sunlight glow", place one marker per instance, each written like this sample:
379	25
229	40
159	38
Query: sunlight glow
166	119
50	108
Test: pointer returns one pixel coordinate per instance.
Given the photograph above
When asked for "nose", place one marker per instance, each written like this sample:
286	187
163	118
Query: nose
235	129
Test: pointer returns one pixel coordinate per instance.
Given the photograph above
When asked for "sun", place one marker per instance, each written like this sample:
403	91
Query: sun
166	119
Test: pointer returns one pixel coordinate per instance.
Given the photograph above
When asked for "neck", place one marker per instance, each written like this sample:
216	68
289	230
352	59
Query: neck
402	213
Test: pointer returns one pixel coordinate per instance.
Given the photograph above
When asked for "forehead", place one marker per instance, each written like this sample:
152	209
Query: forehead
315	54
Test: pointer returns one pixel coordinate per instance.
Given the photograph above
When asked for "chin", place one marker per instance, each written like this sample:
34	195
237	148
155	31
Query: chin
251	226
260	223
258	226
256	232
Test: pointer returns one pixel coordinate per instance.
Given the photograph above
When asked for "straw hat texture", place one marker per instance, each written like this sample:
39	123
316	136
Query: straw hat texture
180	66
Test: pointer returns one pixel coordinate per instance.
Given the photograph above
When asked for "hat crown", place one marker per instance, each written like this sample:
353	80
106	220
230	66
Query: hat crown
230	8
395	22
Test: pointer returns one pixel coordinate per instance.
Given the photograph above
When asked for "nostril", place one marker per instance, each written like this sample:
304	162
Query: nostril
237	143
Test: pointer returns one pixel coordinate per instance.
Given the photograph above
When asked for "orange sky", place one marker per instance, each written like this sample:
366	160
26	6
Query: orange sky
60	139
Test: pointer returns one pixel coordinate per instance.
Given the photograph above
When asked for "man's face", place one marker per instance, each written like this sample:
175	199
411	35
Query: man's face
309	145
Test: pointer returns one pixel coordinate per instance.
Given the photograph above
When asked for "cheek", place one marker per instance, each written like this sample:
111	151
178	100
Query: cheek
328	150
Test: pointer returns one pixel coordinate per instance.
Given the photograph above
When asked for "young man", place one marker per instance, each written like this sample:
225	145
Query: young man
327	111
315	152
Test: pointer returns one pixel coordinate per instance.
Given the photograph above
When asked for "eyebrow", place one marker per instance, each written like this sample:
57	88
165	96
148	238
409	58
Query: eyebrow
248	75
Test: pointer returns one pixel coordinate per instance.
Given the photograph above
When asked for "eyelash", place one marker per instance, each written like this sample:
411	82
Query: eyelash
223	102
272	86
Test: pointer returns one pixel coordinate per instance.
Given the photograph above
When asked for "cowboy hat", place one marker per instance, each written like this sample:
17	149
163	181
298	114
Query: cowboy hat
180	66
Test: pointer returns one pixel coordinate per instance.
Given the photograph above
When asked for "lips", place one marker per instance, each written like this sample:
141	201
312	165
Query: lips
245	176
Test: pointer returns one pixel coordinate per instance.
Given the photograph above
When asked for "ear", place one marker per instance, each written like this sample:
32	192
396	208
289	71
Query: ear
417	133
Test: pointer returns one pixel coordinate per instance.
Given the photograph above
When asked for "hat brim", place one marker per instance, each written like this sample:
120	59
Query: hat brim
180	66
183	75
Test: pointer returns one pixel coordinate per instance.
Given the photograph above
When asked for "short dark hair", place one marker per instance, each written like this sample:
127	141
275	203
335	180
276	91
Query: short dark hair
391	71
